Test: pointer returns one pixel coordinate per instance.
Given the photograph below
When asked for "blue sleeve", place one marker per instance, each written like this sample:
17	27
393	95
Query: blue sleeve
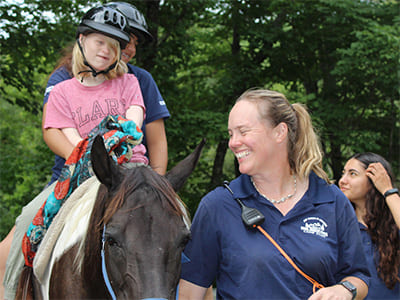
352	261
155	105
58	76
203	248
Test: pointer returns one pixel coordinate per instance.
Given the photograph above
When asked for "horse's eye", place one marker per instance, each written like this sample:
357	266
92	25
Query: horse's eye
111	242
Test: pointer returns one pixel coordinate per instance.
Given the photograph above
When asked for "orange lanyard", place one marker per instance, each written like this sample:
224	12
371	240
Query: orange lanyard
315	283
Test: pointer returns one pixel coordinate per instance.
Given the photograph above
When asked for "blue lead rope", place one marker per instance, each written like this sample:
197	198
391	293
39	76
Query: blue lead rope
103	266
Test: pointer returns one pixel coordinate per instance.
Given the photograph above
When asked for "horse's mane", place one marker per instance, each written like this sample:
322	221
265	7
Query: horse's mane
108	202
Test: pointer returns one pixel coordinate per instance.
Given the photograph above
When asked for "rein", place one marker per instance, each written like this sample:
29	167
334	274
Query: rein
103	266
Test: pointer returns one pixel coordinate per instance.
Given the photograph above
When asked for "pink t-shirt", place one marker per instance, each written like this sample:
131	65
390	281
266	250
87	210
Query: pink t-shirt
73	105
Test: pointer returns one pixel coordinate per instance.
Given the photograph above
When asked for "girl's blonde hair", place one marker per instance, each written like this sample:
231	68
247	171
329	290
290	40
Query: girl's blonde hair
78	64
304	150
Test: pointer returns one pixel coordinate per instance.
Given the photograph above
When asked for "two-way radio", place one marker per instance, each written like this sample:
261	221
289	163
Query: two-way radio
251	217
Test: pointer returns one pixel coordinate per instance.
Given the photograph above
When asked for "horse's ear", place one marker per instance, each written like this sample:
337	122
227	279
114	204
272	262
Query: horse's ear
177	175
103	165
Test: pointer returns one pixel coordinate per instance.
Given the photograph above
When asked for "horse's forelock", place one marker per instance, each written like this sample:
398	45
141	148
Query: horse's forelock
144	176
166	193
106	206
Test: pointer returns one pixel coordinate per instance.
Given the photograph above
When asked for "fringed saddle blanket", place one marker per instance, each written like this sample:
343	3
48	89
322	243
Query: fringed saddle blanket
119	135
69	228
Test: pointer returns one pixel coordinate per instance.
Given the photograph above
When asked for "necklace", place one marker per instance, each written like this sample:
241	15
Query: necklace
283	199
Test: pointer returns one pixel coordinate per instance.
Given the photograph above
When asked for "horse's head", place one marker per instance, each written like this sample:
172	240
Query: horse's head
143	225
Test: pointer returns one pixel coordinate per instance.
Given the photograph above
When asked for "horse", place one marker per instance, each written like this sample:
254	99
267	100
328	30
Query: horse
135	236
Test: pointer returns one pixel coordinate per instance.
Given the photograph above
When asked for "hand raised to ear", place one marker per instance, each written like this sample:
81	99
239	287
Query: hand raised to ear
379	177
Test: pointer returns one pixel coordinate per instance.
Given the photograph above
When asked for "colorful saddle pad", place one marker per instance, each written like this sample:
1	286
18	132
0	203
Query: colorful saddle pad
119	135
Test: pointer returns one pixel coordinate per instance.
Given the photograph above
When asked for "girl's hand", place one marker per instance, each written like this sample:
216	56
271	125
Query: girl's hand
379	177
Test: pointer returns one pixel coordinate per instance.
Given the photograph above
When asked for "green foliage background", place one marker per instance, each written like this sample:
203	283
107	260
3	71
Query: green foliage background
340	58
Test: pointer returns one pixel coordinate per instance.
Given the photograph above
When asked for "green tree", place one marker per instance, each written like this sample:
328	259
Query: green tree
33	35
315	51
25	162
340	58
372	92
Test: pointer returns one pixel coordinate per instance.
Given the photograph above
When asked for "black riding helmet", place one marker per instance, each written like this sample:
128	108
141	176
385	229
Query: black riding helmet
136	20
108	21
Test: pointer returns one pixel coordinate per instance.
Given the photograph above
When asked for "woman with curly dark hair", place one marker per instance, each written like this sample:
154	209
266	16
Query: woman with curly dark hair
367	181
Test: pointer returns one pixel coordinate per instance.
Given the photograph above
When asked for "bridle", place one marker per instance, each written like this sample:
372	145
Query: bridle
103	266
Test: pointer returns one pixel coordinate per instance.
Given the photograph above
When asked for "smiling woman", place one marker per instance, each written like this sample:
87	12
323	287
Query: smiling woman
310	219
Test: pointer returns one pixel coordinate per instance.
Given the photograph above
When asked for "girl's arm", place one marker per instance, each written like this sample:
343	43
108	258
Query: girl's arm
55	139
136	114
72	135
380	178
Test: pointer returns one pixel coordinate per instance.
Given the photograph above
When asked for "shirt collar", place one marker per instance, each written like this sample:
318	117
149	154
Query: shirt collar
317	192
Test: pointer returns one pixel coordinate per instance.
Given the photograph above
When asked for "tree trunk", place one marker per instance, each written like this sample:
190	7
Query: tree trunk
147	54
337	161
217	173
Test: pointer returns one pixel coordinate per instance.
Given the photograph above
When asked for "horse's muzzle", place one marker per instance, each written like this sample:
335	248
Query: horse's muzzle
154	299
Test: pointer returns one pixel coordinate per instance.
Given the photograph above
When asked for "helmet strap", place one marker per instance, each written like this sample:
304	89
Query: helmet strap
92	70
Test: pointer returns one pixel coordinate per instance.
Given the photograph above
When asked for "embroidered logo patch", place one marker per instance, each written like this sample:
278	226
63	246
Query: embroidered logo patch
314	225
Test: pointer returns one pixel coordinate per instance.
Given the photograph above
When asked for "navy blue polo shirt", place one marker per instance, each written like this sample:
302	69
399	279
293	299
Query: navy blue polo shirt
377	289
320	233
